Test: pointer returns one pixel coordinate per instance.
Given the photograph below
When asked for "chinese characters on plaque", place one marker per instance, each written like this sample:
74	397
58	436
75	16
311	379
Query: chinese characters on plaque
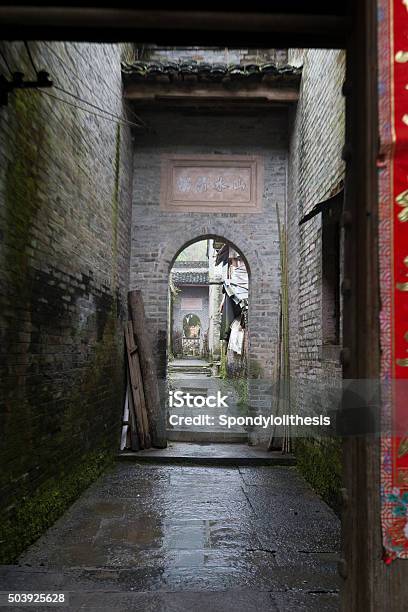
205	183
215	183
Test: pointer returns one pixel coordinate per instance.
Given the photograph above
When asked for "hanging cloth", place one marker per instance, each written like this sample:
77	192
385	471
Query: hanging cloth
236	339
229	311
222	255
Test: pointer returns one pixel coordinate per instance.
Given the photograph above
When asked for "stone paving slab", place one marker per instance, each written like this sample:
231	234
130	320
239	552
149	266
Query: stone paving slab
209	454
164	538
188	362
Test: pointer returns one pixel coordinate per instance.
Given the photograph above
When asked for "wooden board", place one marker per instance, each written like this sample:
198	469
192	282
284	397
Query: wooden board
136	407
148	370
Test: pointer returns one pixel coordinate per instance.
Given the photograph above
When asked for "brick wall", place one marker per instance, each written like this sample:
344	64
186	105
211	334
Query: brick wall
316	171
64	244
158	236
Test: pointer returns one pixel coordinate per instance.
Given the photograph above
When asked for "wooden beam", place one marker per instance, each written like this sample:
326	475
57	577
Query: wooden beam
173	26
97	17
149	374
196	93
139	423
369	584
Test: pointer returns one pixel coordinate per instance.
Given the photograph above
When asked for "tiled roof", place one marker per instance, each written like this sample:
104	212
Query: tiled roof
189	277
201	71
190	264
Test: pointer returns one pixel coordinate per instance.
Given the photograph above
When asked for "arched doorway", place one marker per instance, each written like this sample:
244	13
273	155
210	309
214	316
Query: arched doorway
208	335
191	338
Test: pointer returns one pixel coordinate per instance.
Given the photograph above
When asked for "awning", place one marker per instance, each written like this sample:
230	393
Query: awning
334	201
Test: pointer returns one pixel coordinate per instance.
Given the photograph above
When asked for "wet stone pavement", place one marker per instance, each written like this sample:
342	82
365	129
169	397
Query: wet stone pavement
189	538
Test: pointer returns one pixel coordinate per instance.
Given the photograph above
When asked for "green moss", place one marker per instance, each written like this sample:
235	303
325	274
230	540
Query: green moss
320	462
22	181
241	388
103	364
115	199
73	428
223	363
78	433
34	514
54	443
255	369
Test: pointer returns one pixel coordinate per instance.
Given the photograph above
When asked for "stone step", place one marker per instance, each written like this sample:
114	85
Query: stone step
236	437
209	454
191	372
190	369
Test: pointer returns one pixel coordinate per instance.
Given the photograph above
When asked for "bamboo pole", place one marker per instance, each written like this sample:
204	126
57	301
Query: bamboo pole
285	339
283	382
273	442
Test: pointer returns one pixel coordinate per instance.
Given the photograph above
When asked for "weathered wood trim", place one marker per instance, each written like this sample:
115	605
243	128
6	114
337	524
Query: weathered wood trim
159	92
369	584
97	23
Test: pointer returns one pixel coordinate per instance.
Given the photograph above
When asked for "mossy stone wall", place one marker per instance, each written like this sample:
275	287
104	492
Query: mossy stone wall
315	173
65	210
320	462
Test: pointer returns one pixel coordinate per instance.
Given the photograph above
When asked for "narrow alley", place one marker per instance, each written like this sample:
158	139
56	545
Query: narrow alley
180	264
189	282
176	538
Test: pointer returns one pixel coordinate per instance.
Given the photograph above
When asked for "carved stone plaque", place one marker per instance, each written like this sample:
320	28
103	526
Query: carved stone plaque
217	183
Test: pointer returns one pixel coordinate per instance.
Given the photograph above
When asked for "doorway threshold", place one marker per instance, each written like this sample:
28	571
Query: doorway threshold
238	438
209	454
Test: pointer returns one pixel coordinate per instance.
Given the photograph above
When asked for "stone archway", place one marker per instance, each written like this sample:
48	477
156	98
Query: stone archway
260	357
158	234
263	269
212	300
198	239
